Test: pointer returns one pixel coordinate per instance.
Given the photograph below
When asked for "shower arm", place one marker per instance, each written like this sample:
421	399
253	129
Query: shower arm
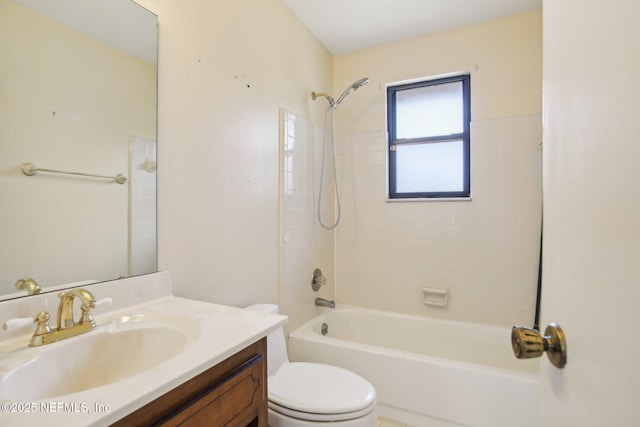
315	95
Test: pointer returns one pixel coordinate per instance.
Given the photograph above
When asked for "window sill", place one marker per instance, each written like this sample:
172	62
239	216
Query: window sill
430	199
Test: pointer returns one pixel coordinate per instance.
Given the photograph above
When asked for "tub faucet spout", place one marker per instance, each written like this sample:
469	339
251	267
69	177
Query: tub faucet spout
321	302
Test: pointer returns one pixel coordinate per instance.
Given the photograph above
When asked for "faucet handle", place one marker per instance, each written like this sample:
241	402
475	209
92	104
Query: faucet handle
42	319
103	301
42	328
17	323
317	280
87	307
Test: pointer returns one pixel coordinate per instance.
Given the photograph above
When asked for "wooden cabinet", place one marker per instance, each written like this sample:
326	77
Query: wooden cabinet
232	393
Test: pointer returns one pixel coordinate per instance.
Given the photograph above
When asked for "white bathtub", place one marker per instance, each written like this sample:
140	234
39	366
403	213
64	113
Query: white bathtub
427	373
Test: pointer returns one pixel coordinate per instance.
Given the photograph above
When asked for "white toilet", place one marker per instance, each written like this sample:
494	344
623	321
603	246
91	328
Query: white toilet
313	394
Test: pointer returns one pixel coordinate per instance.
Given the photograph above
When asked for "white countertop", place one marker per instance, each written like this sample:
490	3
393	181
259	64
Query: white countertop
223	331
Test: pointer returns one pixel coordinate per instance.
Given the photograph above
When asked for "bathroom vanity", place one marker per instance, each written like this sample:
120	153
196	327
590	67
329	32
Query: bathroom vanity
232	393
153	359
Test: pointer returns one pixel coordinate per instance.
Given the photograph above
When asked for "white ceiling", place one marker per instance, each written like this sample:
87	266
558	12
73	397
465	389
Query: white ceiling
344	26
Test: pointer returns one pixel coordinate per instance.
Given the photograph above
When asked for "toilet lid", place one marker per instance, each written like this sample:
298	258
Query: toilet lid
317	388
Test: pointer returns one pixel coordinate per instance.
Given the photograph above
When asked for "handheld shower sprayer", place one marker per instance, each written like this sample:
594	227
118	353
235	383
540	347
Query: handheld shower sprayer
357	85
333	105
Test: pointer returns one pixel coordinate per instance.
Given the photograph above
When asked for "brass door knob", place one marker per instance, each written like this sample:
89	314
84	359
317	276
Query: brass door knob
528	343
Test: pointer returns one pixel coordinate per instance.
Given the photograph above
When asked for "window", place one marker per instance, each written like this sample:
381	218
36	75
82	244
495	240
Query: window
428	124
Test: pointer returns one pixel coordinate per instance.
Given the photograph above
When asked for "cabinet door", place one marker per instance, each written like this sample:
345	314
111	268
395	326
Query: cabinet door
232	402
231	393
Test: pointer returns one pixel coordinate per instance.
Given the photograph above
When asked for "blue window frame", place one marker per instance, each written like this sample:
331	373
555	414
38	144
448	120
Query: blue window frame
428	124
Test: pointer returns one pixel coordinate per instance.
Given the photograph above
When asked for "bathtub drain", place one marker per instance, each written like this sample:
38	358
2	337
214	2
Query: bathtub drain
324	329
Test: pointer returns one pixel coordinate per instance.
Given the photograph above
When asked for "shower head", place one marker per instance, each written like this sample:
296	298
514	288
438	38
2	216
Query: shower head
333	104
357	85
363	81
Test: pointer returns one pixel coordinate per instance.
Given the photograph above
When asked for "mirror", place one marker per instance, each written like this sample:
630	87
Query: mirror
78	93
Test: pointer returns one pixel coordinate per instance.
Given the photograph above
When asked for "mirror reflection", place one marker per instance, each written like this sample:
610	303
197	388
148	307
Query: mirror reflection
77	94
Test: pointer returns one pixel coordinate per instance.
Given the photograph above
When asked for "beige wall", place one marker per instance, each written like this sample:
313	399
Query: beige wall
60	109
484	251
225	70
504	57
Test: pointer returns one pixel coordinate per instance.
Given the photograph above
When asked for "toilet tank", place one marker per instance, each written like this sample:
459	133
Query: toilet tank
276	342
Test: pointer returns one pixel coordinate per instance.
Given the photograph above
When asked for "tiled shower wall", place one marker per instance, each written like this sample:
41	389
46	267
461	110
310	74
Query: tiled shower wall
484	252
142	206
304	245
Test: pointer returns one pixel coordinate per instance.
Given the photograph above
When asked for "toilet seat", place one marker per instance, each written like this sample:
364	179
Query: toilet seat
327	418
319	392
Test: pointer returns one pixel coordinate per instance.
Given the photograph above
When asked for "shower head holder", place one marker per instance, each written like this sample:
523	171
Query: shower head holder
315	95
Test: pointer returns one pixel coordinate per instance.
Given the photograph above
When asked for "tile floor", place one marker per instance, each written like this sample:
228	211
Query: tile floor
384	422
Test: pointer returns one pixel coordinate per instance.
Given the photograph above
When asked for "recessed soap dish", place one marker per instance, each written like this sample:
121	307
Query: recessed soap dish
435	296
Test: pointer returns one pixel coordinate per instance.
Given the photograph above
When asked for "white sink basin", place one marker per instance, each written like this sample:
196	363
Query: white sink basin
149	343
120	349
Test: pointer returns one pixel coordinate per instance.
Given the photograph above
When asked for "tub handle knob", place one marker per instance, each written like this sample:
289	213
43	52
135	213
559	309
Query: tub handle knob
317	280
528	343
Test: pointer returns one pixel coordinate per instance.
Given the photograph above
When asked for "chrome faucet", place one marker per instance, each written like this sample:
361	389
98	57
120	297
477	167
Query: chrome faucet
321	302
